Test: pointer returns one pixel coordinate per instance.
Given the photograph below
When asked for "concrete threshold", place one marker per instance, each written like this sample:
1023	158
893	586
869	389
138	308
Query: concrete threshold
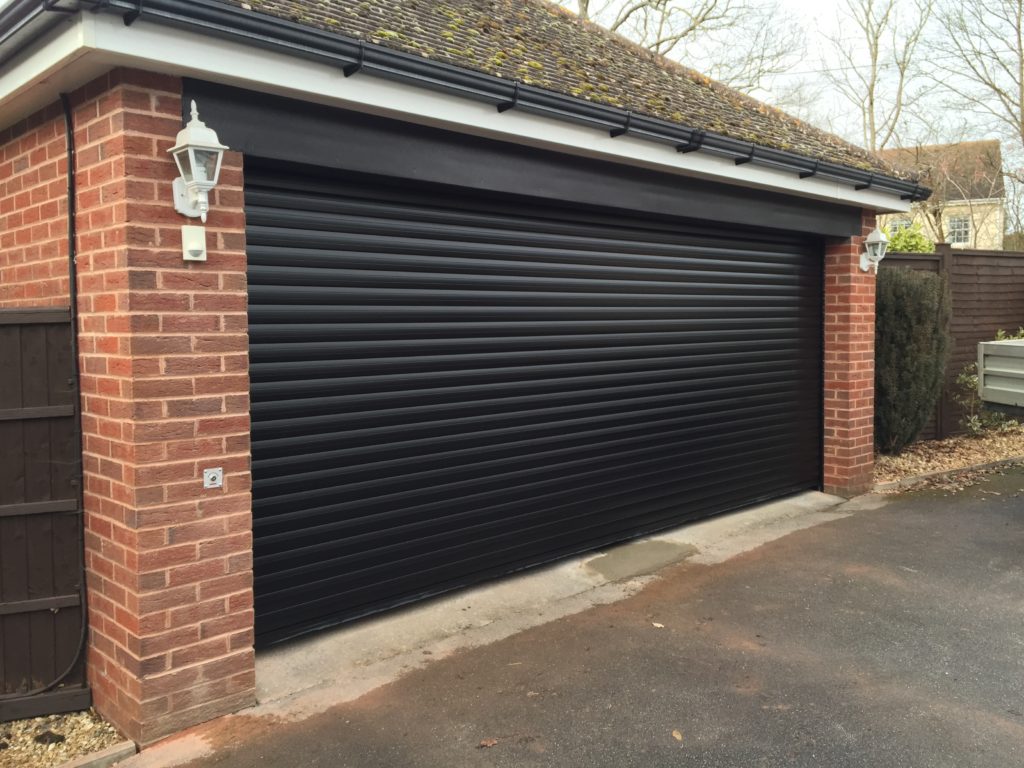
308	676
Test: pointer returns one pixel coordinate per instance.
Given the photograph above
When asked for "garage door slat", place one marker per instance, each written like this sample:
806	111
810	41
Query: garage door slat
269	410
312	387
308	482
534	359
445	389
337	511
302	349
299	228
312	508
375	426
306	280
390	268
325	419
482	431
283	331
384	251
458	500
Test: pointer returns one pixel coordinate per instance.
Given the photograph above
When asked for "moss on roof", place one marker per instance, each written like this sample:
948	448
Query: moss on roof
547	46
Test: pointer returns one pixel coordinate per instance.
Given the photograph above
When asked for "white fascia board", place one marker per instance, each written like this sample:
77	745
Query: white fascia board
188	53
54	64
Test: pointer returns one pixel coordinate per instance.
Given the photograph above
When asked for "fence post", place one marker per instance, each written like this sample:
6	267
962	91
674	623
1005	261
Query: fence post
945	253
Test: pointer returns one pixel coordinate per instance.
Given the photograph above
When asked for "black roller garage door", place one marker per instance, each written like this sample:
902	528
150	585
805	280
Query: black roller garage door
447	388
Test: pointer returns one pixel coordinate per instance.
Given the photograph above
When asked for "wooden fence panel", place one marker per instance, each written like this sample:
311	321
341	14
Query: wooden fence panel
988	296
42	615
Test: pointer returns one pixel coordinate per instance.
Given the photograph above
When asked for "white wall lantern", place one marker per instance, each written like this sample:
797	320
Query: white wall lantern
198	154
874	250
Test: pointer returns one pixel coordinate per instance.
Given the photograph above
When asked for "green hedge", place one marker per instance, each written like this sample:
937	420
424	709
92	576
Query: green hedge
912	343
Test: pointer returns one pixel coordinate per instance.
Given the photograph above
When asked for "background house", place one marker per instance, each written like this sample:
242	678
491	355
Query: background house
968	204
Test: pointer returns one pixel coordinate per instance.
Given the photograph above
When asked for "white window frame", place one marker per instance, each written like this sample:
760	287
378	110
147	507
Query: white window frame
959	230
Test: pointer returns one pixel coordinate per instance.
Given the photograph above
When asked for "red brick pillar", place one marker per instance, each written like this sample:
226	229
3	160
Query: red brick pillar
849	367
165	394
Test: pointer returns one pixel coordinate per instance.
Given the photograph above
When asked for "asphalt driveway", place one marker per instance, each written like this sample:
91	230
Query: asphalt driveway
893	637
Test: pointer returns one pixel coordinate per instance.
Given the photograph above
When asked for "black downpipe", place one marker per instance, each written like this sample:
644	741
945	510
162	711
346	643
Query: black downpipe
76	373
823	246
76	369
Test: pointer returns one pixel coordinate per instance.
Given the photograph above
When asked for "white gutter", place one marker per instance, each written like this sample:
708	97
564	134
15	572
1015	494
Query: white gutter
90	44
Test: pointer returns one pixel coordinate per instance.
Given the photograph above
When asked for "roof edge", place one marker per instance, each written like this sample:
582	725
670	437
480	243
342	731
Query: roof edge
353	57
22	21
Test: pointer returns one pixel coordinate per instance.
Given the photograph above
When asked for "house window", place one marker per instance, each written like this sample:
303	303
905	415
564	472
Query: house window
960	229
897	224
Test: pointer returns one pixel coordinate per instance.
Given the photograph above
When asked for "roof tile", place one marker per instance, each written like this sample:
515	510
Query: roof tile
545	45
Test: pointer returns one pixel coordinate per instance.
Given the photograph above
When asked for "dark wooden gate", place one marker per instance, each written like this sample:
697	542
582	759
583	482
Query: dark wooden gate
42	611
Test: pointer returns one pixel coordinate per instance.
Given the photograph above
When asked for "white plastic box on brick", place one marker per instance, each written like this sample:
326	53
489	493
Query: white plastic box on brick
1001	372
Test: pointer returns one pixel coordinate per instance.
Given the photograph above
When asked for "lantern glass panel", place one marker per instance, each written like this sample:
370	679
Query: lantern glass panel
181	159
206	165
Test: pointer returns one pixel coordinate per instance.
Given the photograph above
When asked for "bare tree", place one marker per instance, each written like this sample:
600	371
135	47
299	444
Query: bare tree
760	46
588	10
876	72
803	98
1013	240
981	200
981	59
979	64
738	42
967	182
661	25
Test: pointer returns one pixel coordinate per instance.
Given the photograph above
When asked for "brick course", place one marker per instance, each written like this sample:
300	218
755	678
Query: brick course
849	403
33	212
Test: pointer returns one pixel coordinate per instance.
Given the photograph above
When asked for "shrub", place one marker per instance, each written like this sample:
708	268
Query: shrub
910	240
974	418
1017	335
912	345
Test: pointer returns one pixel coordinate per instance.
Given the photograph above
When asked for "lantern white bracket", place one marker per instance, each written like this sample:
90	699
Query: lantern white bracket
198	154
194	205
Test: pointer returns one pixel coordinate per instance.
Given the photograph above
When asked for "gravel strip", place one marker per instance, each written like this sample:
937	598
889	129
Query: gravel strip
952	453
951	481
46	742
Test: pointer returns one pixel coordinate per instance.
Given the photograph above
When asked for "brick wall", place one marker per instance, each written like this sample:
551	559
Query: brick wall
33	212
164	356
849	367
